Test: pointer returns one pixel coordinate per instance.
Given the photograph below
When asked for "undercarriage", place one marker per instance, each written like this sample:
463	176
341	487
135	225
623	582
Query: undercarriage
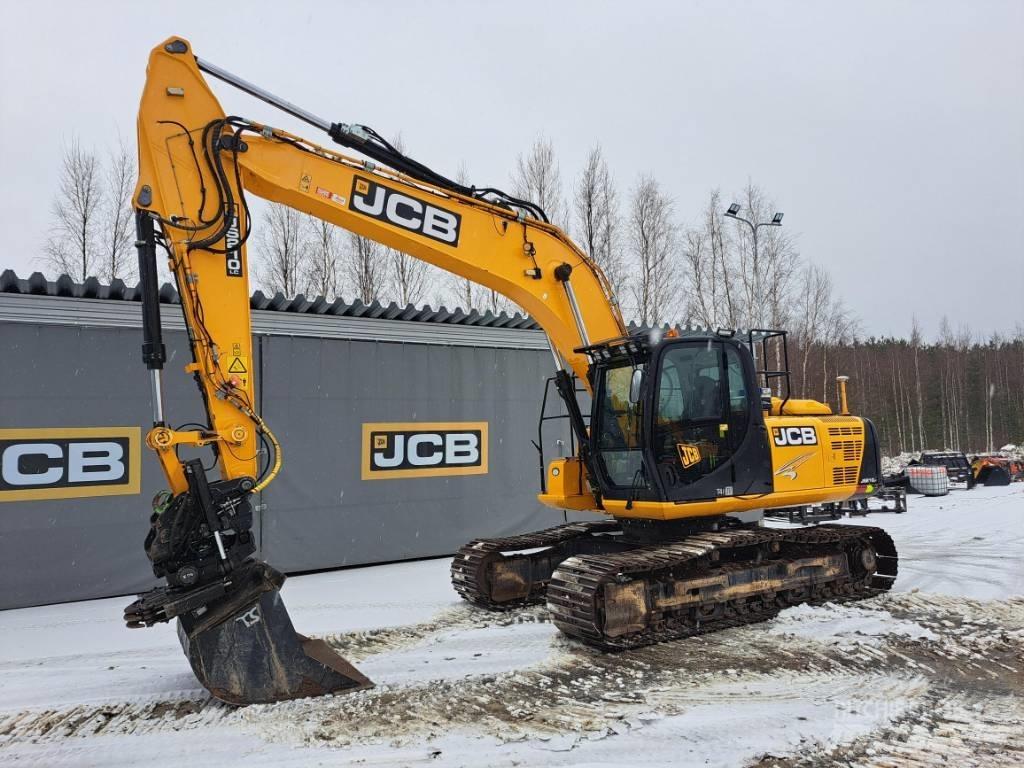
614	589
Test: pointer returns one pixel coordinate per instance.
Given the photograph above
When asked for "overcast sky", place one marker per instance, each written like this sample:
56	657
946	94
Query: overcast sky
890	133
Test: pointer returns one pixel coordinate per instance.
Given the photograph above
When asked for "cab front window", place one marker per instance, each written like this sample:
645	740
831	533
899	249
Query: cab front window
702	410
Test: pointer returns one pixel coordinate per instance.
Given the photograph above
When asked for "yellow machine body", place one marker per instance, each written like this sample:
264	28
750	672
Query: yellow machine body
802	474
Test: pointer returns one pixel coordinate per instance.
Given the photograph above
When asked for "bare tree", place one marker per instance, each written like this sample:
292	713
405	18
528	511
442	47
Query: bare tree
768	273
709	273
812	319
409	276
536	178
73	243
596	207
651	240
915	343
281	248
366	267
117	232
323	266
840	325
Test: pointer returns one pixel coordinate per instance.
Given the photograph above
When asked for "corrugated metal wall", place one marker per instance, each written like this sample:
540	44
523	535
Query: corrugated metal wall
63	369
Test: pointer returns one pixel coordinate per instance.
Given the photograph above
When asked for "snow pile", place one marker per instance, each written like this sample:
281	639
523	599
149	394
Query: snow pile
894	465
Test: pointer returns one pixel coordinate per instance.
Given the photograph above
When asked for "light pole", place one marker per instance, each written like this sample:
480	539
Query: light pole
733	213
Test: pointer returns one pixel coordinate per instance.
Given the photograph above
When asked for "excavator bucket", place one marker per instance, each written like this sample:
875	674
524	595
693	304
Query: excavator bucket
255	656
240	641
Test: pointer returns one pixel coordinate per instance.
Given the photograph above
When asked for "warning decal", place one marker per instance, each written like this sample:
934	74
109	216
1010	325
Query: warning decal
238	365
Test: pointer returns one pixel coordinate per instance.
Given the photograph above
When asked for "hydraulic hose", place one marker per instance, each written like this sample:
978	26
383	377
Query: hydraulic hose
276	467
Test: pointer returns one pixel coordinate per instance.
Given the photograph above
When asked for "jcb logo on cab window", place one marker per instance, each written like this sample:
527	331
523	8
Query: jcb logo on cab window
68	463
689	455
386	204
422	449
784	436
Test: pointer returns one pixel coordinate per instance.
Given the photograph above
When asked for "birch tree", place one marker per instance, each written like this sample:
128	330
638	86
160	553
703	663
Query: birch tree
596	225
73	244
651	243
767	274
812	321
537	179
324	263
116	252
915	344
709	274
281	246
366	267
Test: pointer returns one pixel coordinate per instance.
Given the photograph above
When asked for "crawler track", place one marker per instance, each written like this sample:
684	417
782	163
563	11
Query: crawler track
614	593
679	585
473	565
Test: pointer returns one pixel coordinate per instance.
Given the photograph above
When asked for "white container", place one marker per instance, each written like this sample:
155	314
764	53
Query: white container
931	481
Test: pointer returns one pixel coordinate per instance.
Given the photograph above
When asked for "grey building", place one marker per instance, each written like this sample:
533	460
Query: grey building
70	371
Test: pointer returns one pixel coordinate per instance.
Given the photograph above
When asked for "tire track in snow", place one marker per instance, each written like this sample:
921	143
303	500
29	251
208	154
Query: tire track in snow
943	727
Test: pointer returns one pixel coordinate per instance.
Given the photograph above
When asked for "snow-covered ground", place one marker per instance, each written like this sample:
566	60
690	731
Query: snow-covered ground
932	671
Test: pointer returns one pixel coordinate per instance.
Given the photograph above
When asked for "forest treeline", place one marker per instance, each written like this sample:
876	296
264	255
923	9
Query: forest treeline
955	393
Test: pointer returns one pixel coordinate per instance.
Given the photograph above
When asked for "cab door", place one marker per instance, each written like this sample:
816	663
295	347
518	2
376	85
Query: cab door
706	425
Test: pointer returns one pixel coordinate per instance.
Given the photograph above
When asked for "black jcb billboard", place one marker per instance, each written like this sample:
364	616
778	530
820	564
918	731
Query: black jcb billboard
68	463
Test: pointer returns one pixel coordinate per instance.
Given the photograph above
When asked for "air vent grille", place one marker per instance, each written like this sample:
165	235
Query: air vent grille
844	476
851	449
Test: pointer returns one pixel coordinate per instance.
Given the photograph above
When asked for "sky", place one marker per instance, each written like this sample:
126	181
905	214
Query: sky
890	133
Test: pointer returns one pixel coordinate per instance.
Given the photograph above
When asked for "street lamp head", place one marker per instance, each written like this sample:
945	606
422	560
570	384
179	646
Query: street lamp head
777	219
733	209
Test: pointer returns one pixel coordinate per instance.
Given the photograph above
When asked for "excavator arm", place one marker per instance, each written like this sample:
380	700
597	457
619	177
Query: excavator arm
196	165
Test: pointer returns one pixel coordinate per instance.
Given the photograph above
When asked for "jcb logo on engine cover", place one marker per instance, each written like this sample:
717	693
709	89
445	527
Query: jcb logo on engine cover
68	463
421	449
784	436
386	204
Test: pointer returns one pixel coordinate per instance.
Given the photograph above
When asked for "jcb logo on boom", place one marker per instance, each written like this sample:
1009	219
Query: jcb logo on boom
68	463
784	436
420	449
386	204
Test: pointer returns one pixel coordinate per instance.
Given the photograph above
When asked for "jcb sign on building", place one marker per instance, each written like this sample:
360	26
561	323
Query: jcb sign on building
424	449
68	463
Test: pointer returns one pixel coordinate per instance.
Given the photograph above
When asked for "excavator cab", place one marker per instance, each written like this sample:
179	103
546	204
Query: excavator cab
677	420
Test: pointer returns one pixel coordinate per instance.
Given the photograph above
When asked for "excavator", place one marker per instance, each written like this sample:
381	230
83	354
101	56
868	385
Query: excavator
679	440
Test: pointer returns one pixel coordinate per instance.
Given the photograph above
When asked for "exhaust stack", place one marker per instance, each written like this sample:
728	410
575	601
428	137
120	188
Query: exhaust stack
844	409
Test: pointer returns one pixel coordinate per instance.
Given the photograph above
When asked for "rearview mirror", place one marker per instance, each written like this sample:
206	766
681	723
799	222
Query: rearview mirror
635	384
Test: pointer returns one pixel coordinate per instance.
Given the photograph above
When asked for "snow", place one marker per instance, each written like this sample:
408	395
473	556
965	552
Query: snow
459	686
454	655
967	543
843	624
